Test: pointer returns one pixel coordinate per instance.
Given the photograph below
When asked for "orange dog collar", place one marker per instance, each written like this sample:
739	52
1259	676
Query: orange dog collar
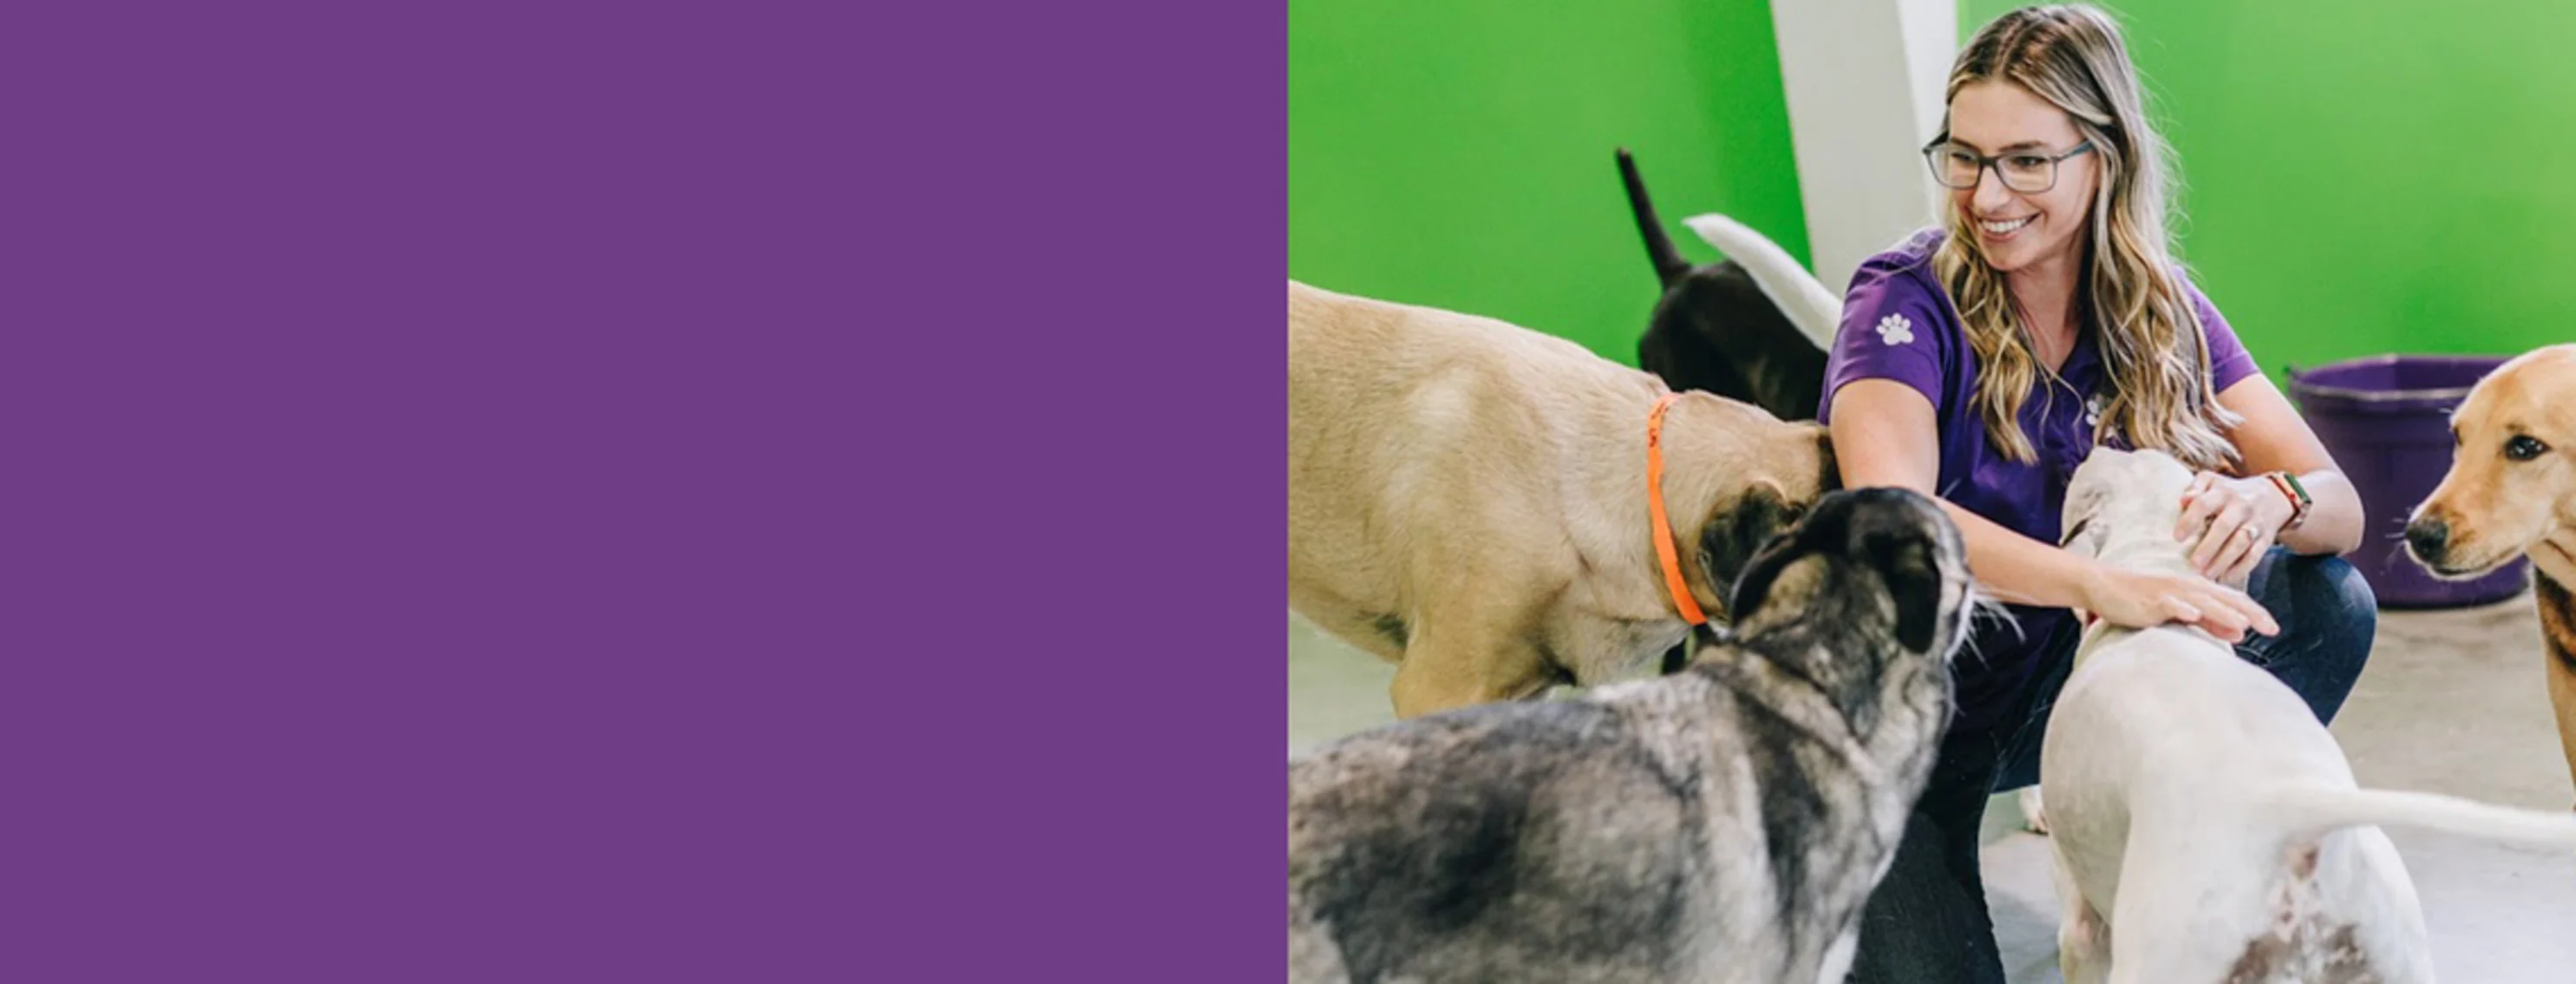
1664	546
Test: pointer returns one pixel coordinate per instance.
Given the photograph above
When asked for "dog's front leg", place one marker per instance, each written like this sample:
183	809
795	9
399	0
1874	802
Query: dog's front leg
2034	810
2562	699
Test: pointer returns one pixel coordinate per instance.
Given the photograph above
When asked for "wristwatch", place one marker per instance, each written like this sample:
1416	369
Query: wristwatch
2296	493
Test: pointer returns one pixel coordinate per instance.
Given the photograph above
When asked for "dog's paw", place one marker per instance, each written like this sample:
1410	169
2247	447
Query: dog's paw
2033	817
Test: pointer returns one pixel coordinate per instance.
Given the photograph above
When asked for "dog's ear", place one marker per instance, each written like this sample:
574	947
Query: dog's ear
1759	573
1736	531
1914	584
1790	525
2083	538
2083	533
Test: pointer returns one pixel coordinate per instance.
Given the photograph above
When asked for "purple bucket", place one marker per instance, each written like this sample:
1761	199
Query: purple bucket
2387	421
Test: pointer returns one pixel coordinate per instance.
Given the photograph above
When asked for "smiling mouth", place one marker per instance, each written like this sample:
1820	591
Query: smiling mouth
1994	228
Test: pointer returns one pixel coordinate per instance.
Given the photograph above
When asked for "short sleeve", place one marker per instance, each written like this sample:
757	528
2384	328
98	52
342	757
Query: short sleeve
1894	326
2229	363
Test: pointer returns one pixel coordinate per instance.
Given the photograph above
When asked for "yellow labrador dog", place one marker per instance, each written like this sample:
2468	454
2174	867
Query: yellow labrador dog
1469	499
2511	492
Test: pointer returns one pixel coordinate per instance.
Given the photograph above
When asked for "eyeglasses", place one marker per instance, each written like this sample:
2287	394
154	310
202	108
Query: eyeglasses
1958	167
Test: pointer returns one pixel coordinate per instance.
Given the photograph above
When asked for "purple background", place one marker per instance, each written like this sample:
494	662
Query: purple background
733	492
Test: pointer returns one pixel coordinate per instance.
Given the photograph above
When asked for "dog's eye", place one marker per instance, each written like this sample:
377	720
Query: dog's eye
2523	447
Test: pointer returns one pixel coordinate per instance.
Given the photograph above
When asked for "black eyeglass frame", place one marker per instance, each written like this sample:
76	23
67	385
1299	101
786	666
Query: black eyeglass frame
1940	174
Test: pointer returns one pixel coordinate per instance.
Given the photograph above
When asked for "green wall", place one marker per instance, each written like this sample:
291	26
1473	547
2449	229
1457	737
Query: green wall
2359	178
1459	154
2372	177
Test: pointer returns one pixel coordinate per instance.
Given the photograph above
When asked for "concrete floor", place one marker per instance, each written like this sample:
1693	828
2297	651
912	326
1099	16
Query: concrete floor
2452	702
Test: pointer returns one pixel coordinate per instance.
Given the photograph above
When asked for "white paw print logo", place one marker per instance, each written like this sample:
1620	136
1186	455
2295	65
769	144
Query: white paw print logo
1895	330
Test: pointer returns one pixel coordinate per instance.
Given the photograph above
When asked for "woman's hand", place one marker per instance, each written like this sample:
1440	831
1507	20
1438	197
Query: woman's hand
2230	523
2139	601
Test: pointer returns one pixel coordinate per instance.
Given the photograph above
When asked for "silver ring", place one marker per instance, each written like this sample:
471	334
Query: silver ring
2245	531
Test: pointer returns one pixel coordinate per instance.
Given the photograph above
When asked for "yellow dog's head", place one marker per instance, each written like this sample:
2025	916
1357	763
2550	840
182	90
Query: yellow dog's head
2512	481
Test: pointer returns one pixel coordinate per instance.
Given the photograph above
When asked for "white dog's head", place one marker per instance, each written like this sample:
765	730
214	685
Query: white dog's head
2122	501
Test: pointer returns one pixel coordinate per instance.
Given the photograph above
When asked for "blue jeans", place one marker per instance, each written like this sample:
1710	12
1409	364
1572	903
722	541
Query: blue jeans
1927	921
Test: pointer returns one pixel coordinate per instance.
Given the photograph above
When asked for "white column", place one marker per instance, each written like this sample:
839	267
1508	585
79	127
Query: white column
1864	81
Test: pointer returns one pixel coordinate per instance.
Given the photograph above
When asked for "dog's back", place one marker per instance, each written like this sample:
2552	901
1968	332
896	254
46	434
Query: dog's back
1536	842
1345	348
1665	830
2166	807
1717	331
1394	409
2171	715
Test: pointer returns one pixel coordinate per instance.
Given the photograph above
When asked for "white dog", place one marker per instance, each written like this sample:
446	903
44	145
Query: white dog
2195	801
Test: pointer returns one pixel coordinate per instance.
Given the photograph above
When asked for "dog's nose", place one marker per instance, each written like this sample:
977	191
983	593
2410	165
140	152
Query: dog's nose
2428	536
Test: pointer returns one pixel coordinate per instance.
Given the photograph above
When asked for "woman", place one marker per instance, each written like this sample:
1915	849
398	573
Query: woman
1978	363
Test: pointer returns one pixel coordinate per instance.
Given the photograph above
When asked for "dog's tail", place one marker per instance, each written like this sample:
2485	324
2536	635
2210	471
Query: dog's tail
1798	294
1670	267
2311	809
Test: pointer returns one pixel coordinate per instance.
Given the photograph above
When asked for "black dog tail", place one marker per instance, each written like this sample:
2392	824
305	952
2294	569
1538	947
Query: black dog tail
1670	267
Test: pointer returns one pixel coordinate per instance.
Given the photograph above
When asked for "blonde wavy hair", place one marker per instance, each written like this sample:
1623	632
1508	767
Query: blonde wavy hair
2151	340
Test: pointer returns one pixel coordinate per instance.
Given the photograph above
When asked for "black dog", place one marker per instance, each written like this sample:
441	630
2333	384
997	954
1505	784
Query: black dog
1715	329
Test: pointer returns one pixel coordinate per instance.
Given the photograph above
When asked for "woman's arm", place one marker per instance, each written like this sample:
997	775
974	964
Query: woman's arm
2271	438
2231	522
2274	438
1884	434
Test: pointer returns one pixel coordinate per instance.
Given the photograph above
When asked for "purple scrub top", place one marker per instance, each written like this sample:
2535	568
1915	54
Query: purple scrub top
1898	323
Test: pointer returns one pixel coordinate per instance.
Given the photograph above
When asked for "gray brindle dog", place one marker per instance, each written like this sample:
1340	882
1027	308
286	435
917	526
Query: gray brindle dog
1724	823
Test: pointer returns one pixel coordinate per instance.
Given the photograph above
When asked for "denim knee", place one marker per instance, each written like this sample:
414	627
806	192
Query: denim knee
2328	617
